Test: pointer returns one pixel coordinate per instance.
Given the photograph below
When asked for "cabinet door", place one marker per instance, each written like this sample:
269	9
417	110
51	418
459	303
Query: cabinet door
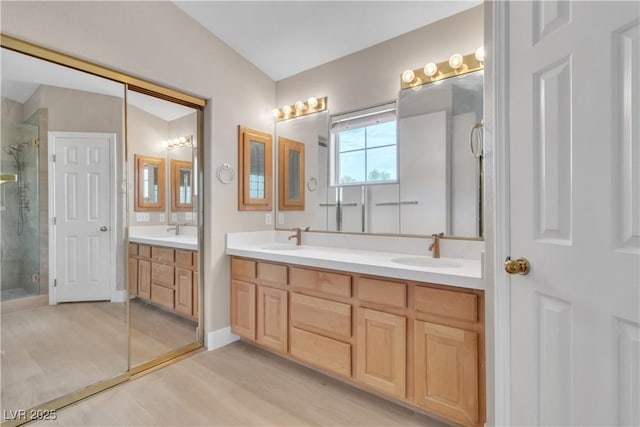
133	275
446	371
184	291
381	351
272	318
243	309
144	279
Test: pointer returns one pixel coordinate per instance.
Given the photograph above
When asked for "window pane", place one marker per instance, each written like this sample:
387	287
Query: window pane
381	134
256	174
351	167
381	164
352	139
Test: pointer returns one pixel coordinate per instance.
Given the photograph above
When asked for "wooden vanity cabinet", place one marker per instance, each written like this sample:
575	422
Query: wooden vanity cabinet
418	343
165	276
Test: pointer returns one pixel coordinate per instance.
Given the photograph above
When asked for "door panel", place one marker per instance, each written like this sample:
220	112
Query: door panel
82	200
574	69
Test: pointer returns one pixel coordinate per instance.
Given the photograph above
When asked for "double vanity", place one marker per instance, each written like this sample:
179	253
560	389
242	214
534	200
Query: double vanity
396	322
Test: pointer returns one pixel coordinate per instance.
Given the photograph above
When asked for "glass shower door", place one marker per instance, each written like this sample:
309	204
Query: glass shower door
19	212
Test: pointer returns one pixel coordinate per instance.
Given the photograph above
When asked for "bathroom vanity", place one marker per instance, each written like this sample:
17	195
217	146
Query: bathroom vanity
374	319
163	271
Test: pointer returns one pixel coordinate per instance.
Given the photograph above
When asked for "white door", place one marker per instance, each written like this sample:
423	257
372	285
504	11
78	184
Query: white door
82	210
574	71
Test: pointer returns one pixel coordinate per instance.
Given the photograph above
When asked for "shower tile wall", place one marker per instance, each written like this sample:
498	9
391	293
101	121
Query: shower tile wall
19	251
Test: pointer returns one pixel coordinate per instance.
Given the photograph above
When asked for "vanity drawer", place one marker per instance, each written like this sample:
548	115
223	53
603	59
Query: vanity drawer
332	355
162	296
184	258
144	251
272	274
243	269
334	284
161	254
162	274
392	294
450	304
320	315
133	249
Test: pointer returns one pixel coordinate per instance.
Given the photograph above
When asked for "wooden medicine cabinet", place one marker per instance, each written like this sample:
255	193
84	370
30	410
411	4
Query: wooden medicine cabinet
181	185
255	170
150	178
290	175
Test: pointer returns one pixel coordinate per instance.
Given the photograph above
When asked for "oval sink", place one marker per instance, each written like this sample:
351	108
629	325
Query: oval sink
422	261
282	247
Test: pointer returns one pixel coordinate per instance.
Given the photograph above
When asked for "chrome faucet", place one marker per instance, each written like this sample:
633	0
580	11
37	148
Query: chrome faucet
176	229
435	246
298	235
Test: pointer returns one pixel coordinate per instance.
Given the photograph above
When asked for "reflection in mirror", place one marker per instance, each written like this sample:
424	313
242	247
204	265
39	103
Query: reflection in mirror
149	183
290	175
438	170
163	248
56	340
255	156
311	179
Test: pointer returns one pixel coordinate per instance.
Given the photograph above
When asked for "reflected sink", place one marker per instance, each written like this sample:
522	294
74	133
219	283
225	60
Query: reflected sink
282	247
422	261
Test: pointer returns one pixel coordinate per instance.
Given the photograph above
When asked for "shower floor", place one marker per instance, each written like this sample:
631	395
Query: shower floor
14	293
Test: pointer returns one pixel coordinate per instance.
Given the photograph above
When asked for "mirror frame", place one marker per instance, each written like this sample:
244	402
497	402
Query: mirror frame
176	167
285	203
245	201
139	204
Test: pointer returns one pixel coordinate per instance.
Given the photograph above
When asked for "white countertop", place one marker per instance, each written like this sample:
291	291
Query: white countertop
468	273
158	235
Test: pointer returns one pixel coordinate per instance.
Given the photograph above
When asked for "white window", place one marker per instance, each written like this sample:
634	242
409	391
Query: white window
364	146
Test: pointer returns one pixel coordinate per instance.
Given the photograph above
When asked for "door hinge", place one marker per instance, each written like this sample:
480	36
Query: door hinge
55	283
53	158
35	277
54	220
35	142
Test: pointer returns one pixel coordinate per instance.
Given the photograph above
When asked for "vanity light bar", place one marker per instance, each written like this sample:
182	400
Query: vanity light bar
456	65
183	141
300	108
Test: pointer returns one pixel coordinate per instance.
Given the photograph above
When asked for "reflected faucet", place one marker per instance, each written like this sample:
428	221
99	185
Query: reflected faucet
435	246
176	229
298	235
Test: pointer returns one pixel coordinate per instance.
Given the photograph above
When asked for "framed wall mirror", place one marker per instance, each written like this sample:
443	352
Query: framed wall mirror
291	177
181	185
255	170
150	183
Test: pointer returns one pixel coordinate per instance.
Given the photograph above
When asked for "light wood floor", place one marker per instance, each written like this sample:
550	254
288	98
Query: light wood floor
49	351
237	385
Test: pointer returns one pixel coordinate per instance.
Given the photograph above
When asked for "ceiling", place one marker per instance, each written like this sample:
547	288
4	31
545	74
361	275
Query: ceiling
283	38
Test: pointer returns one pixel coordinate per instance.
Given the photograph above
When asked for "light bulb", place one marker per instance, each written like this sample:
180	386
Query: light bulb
276	112
287	110
408	76
183	139
480	54
455	61
430	69
312	102
300	106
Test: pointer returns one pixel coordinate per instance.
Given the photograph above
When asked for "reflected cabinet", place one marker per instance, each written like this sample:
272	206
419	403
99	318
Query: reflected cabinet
149	183
290	175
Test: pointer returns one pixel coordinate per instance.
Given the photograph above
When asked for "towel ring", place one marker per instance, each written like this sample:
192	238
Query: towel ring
312	183
225	173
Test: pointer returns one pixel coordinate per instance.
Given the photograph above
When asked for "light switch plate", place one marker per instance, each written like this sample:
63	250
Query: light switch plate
268	219
174	217
142	217
162	217
280	219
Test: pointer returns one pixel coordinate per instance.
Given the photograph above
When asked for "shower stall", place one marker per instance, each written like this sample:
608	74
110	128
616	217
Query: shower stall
19	212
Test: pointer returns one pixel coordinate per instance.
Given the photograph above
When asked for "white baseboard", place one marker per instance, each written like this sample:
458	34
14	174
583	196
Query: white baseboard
119	296
220	338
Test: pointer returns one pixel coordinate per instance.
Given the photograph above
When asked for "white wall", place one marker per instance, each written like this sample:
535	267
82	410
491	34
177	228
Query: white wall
157	41
372	76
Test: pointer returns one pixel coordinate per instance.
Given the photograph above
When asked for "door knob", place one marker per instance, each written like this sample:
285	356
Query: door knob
103	228
518	266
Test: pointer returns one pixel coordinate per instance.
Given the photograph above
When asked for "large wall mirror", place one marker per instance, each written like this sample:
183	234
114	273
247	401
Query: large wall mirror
73	244
428	181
